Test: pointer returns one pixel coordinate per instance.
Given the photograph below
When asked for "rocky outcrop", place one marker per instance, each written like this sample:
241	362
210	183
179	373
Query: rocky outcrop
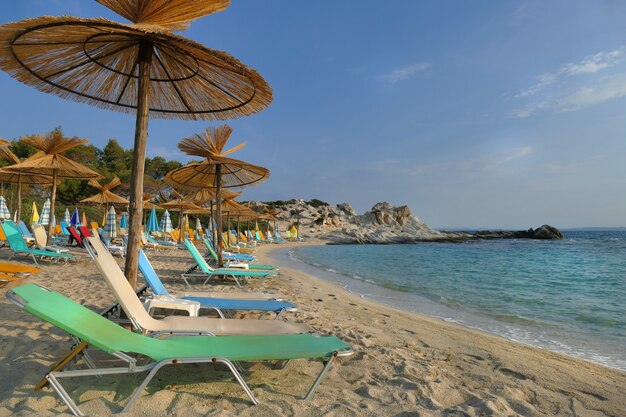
546	232
382	224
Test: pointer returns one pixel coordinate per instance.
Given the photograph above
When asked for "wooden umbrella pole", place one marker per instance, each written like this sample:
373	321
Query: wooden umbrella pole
139	157
238	229
212	225
53	201
19	198
228	227
218	213
180	224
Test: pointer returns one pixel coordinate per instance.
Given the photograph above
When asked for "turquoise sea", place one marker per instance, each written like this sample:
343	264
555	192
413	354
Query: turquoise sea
568	296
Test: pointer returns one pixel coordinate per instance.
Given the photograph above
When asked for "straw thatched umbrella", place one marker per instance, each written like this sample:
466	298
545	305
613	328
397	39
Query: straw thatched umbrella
141	68
19	178
50	161
207	195
183	205
233	208
216	169
105	196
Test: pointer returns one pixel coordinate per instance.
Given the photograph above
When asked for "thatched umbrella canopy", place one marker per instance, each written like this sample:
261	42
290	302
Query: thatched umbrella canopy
50	161
18	178
147	203
238	210
105	196
216	169
141	68
183	205
207	195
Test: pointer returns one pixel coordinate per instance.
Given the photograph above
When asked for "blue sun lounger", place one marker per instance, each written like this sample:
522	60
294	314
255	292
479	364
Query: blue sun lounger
214	303
209	273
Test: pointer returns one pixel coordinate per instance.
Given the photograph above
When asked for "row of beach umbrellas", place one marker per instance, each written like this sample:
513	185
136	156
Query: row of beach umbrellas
194	83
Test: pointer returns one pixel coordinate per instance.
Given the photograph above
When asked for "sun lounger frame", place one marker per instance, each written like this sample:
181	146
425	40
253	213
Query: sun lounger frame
152	368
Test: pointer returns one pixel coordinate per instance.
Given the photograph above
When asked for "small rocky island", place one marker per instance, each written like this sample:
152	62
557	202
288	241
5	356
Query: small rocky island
383	224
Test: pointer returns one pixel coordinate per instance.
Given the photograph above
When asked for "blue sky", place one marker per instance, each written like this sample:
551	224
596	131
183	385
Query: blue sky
476	114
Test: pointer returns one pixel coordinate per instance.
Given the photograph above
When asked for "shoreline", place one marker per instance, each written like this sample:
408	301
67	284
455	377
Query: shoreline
578	381
407	302
405	364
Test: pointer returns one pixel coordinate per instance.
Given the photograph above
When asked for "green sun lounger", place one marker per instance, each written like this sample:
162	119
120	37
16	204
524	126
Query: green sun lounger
210	273
258	267
19	247
107	336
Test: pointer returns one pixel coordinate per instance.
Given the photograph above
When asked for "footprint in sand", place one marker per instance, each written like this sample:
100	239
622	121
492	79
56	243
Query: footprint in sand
513	374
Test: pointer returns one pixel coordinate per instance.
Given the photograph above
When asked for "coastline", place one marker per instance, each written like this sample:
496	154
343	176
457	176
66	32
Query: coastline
361	278
406	364
526	380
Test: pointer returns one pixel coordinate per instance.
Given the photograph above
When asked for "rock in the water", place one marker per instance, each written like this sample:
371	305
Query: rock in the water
546	232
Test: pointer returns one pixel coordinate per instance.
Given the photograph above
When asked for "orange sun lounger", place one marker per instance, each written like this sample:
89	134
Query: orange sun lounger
9	272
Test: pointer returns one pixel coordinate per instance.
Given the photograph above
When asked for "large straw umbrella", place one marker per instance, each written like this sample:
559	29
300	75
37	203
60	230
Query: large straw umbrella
207	195
182	205
19	178
50	161
216	169
105	196
233	208
142	67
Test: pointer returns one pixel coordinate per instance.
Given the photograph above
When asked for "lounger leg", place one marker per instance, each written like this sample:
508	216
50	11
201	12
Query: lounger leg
144	384
54	383
282	364
280	313
239	379
319	378
154	370
34	259
236	281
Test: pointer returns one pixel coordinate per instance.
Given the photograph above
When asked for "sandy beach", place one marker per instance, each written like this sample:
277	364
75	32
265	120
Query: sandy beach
405	364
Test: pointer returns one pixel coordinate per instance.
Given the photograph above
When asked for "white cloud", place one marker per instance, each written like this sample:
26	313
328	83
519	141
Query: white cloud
588	65
608	88
404	73
594	63
513	155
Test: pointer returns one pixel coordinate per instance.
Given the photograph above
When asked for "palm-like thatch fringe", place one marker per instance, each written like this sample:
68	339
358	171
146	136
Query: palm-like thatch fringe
10	177
207	194
94	61
210	145
54	144
49	159
106	187
6	153
172	14
105	196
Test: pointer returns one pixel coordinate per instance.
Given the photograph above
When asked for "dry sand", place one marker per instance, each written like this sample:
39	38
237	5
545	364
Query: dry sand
405	364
